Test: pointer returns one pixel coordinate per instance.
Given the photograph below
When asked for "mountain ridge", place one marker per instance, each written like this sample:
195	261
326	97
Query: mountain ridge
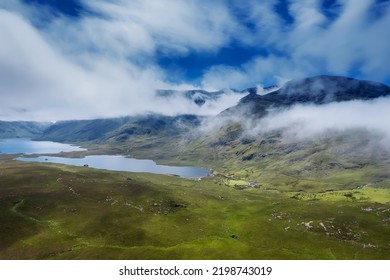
317	90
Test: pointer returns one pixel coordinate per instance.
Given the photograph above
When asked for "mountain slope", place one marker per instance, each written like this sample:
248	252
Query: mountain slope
19	129
118	129
283	158
81	130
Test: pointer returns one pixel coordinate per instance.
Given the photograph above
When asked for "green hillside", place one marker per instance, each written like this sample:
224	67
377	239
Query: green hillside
60	212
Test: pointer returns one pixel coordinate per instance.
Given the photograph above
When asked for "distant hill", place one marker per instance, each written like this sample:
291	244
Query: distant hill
21	129
118	129
80	130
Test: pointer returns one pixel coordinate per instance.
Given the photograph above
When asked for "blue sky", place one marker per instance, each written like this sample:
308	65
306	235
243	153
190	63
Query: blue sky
118	52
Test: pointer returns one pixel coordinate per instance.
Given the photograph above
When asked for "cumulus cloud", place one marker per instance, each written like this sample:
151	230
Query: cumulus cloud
352	42
272	69
41	82
104	63
134	29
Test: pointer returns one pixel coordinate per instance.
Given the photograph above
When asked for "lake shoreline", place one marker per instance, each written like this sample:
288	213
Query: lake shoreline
28	150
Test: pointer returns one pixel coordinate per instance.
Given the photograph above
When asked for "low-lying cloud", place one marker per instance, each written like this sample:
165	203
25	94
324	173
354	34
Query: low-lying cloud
310	122
303	121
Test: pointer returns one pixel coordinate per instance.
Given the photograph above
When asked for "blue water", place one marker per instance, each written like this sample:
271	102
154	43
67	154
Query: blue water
121	163
115	163
27	146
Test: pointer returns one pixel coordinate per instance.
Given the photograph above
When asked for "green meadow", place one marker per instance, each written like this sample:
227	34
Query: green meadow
52	211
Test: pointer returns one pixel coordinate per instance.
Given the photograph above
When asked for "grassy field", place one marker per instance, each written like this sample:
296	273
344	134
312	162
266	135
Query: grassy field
52	211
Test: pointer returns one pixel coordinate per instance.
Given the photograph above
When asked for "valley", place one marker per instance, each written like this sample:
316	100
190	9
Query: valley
62	212
274	193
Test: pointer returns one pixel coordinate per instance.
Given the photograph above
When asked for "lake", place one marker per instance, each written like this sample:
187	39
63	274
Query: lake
27	146
108	162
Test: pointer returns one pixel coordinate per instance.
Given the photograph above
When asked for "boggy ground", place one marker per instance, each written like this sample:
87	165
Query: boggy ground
50	211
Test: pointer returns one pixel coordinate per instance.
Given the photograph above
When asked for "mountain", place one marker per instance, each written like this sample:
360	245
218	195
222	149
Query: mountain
316	90
20	129
118	129
202	97
229	128
190	137
80	130
239	142
199	97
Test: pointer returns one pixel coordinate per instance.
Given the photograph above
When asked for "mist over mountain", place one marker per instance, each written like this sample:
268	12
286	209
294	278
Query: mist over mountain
317	90
348	115
20	129
202	97
301	107
208	103
324	89
199	97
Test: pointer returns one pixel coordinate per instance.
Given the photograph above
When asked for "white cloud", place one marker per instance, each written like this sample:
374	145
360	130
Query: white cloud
104	63
140	27
354	42
271	69
101	66
307	15
308	121
39	82
342	44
